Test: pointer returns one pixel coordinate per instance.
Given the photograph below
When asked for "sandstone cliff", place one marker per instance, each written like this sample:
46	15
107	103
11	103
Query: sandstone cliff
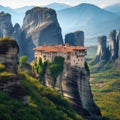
75	38
73	84
40	26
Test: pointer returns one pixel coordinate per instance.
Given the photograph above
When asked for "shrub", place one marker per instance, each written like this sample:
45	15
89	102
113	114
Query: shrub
23	59
57	66
2	68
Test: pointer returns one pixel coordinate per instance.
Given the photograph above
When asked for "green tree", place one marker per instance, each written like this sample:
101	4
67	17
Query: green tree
57	66
2	67
23	59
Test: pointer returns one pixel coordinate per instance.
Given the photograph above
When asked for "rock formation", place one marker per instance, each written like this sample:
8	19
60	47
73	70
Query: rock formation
16	35
9	58
7	29
73	83
101	55
109	54
8	54
112	46
40	26
75	38
118	43
117	62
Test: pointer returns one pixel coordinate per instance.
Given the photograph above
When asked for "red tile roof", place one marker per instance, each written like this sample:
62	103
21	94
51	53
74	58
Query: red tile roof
59	48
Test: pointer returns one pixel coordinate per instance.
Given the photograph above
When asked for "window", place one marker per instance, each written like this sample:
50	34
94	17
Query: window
68	57
44	56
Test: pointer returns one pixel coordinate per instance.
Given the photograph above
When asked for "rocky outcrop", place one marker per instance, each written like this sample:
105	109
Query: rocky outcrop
112	46
102	50
73	84
9	58
117	62
16	35
7	29
40	26
75	38
108	53
118	43
101	55
8	54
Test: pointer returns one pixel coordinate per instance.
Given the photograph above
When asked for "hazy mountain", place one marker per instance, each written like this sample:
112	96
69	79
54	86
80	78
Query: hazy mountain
58	6
23	9
19	13
88	18
114	8
7	9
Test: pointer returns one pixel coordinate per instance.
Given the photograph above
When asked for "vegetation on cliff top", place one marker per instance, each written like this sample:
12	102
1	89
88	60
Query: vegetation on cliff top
6	43
55	68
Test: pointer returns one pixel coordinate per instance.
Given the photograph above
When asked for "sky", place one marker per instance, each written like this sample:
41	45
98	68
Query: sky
21	3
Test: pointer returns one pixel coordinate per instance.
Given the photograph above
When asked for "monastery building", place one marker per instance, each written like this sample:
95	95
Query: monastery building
74	55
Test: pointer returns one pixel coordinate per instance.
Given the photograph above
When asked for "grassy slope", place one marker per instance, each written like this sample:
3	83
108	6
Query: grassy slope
106	91
44	104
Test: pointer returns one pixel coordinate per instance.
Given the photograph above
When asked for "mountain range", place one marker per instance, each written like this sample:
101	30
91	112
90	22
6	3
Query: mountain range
93	20
89	18
19	13
114	8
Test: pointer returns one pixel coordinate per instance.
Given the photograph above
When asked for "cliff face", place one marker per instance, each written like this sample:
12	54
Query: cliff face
102	53
40	26
118	42
117	62
102	49
8	54
112	46
73	84
7	29
9	58
75	38
108	53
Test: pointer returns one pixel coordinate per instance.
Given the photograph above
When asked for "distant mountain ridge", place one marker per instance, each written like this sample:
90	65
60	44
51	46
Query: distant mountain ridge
19	13
114	8
58	6
88	18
